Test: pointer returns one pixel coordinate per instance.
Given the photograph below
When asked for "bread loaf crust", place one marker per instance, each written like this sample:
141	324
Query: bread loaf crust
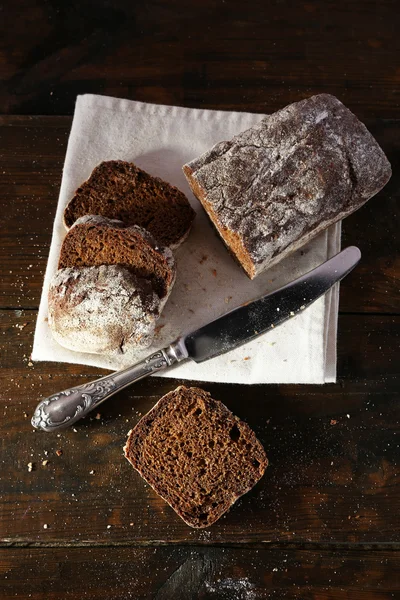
102	310
272	188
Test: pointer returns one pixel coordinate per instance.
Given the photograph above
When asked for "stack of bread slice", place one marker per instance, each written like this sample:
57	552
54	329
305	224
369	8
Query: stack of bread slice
116	268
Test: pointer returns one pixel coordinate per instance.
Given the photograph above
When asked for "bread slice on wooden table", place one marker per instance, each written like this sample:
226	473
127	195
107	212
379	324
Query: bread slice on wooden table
94	240
102	310
119	190
110	288
196	454
272	188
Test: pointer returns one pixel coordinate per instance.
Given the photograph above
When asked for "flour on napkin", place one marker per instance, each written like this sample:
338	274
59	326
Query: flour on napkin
160	139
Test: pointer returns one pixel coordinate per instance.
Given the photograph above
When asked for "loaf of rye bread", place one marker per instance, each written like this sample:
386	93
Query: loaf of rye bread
196	455
110	288
119	190
274	187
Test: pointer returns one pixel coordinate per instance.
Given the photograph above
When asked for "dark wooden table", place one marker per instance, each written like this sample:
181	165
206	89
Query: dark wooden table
324	522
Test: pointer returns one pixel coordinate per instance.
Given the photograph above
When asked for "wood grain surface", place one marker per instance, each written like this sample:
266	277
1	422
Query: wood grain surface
323	523
256	56
206	573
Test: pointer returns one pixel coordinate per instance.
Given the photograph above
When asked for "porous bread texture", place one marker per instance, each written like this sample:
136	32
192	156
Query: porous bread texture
94	241
102	310
196	455
118	189
272	188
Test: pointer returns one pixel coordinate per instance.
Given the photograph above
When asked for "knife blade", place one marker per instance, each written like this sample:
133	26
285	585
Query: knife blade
217	337
243	324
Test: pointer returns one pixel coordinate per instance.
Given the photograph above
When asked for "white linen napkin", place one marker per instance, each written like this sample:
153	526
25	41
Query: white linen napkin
160	139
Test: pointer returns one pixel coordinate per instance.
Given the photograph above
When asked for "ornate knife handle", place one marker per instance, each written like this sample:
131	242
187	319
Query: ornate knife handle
65	408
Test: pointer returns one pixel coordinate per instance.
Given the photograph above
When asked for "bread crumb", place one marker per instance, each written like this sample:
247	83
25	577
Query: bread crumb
59	452
247	358
302	307
30	364
45	462
45	526
91	472
25	415
98	416
291	313
30	467
108	526
333	422
131	524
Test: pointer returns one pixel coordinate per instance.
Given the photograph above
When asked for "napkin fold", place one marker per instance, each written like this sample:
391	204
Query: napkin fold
160	139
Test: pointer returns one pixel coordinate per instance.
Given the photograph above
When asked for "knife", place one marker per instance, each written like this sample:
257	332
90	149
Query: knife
222	335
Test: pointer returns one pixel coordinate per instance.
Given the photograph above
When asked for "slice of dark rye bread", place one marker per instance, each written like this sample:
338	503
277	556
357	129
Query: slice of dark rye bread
196	455
94	241
119	190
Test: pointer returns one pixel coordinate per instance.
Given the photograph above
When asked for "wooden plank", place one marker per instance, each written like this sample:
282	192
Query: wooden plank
208	573
29	186
31	172
333	450
201	54
374	286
